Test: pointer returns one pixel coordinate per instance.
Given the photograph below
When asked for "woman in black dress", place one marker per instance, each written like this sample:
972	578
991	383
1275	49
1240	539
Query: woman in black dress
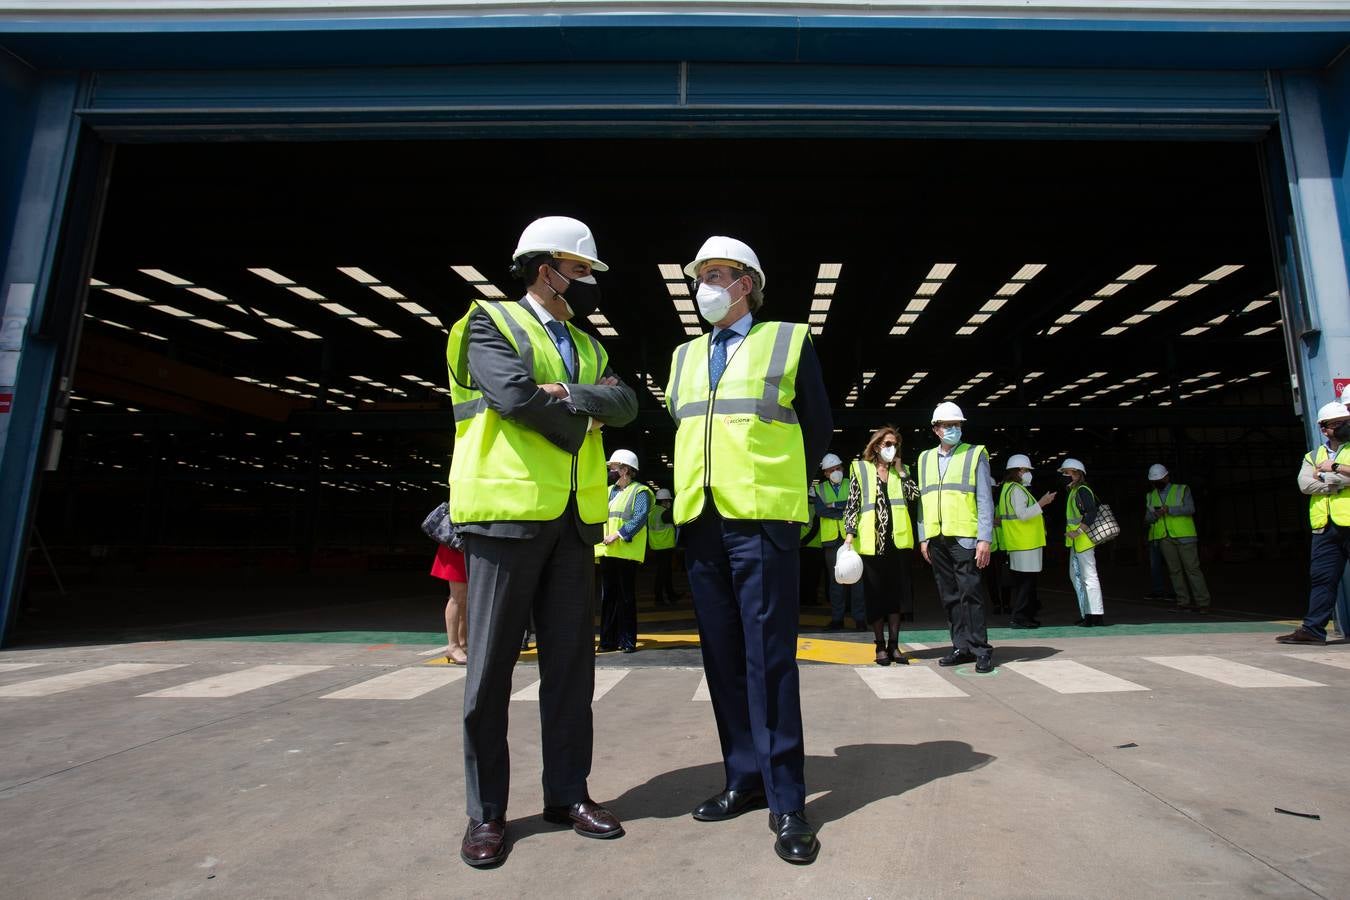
877	525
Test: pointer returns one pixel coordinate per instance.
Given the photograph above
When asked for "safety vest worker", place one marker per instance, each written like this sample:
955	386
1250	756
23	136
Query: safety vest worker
660	530
902	529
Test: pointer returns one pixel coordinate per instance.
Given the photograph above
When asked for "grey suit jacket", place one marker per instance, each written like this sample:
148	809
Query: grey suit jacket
510	390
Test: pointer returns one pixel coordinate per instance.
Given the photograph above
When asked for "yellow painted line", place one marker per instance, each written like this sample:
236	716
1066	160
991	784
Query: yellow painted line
843	653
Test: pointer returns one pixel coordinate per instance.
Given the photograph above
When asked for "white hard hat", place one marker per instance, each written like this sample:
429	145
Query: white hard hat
1345	395
1157	471
624	457
559	235
663	494
830	461
1071	463
947	411
1018	461
728	248
1332	411
848	566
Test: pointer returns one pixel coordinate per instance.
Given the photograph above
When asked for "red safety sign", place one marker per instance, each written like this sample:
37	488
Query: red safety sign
1340	384
6	401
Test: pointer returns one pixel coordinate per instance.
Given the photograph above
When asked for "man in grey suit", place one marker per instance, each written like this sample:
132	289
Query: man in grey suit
531	392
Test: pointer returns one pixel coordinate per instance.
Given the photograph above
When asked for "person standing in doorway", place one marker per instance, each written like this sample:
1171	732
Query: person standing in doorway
530	392
1325	479
956	530
1022	536
877	526
1169	512
1080	511
622	550
750	407
661	537
829	498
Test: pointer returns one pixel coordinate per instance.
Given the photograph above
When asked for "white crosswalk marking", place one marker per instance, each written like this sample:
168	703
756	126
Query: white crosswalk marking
915	645
1231	673
1065	676
701	692
231	684
1339	660
908	682
605	679
14	667
439	651
401	684
56	684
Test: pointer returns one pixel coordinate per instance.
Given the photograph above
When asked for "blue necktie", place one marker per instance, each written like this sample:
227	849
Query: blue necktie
564	343
718	364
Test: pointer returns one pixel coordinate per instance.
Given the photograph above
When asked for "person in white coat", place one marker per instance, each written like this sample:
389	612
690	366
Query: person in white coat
1021	531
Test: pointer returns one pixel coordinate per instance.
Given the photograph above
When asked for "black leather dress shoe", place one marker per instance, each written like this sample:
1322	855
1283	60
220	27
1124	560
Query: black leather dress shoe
796	840
484	843
956	658
587	818
728	805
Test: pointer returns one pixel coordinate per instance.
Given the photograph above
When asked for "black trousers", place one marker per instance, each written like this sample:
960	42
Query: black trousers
618	603
1026	606
663	584
961	590
550	575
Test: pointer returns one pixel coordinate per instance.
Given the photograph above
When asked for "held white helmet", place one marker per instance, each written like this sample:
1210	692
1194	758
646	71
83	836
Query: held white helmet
947	411
1332	411
561	236
830	461
1071	463
729	249
848	566
1018	461
663	494
1157	472
624	457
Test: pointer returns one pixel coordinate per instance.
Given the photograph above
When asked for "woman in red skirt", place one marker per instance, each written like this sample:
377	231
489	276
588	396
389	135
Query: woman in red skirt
449	566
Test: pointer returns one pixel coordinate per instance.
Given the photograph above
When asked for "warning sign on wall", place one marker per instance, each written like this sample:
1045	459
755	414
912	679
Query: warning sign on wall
6	401
1340	384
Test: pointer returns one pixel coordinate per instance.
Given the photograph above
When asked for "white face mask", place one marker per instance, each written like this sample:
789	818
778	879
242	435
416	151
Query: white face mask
887	454
713	302
836	476
1026	479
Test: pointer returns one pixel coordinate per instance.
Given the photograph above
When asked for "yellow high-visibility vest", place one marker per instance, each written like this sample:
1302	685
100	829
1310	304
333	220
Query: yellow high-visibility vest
1167	524
502	471
621	508
660	533
1015	533
948	501
1335	507
829	492
1073	517
902	530
742	441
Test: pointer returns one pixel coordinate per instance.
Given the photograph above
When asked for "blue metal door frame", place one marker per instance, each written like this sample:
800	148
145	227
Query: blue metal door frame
792	84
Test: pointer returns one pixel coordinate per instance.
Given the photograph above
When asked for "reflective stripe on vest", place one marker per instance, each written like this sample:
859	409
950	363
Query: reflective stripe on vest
832	529
1015	533
902	531
748	452
1329	507
660	533
948	500
503	471
1073	517
622	506
1167	524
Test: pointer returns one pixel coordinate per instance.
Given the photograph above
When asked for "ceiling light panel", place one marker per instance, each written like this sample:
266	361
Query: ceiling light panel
1019	280
927	289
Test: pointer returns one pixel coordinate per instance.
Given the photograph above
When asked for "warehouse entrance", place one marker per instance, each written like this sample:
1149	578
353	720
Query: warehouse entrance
258	418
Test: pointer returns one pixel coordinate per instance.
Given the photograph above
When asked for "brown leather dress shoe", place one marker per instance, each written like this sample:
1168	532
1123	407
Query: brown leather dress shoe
1301	635
484	843
587	818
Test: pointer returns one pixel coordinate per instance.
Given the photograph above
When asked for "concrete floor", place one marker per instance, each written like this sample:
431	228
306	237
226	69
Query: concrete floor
1010	788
